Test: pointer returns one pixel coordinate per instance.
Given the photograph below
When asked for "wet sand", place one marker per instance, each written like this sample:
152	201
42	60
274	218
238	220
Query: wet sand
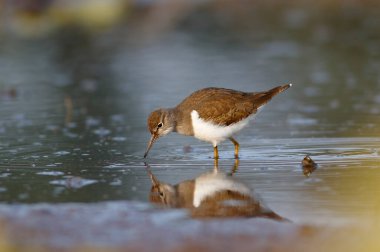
134	226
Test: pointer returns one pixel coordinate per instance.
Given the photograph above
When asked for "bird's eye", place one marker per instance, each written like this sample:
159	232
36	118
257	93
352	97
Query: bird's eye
159	125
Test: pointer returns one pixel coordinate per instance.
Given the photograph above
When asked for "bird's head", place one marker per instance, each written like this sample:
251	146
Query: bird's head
160	123
161	193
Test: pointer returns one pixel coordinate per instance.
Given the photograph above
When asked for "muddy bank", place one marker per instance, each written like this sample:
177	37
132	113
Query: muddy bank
134	226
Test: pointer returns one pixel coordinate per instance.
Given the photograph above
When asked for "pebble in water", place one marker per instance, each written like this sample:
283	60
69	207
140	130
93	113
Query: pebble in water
308	166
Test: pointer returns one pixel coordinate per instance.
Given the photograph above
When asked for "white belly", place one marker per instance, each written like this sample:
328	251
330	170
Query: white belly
209	184
214	133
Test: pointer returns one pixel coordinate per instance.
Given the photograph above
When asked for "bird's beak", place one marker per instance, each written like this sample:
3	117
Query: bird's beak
150	144
154	180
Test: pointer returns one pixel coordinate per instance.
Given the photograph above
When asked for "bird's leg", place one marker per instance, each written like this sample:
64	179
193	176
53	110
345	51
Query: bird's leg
235	167
216	165
216	155
236	147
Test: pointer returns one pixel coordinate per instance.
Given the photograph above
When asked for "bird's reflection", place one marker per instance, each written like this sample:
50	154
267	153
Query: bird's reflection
212	194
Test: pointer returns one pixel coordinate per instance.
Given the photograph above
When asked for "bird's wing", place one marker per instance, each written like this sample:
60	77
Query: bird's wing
226	106
225	109
220	106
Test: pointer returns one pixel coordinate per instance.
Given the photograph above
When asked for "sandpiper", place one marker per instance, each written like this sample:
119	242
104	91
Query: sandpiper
211	194
210	114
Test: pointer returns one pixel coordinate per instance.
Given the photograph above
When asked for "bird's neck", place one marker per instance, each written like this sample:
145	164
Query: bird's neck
182	122
171	116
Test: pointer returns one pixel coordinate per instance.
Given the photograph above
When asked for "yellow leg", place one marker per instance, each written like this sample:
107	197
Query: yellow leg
235	167
216	155
236	147
216	166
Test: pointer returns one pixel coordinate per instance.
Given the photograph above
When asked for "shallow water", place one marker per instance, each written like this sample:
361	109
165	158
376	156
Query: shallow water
73	115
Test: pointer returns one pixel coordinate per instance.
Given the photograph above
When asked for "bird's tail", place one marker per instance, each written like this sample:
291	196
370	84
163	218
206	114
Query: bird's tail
261	98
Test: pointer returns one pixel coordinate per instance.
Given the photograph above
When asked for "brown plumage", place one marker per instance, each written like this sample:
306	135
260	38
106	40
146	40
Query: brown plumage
223	106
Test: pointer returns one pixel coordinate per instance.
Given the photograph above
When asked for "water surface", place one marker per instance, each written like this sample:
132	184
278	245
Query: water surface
74	107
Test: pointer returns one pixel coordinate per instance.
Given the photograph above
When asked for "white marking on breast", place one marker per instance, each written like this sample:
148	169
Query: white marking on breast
214	133
212	183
